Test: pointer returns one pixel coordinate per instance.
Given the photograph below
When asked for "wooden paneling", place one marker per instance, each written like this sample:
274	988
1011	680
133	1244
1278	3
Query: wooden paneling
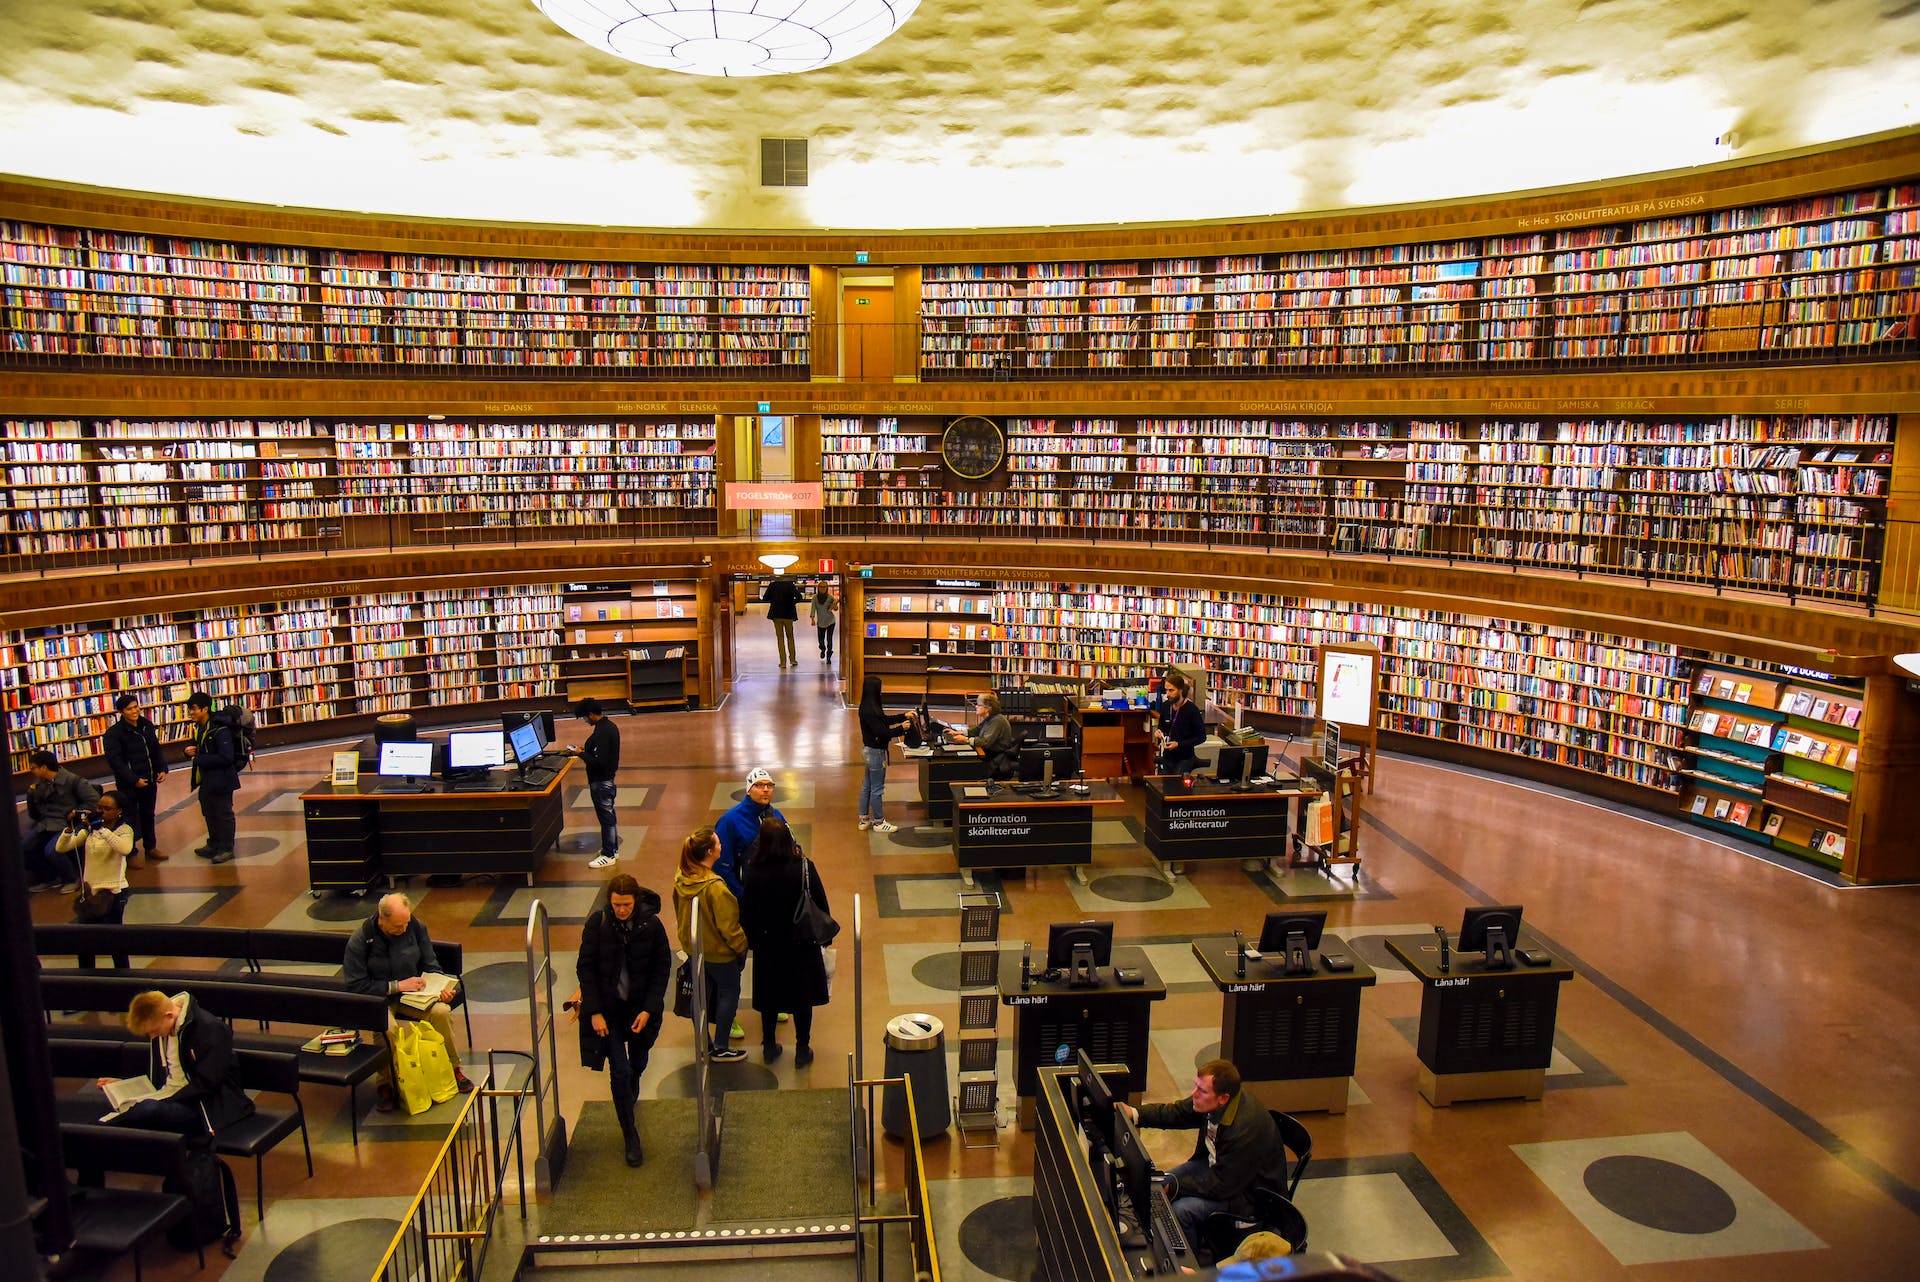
824	297
1886	795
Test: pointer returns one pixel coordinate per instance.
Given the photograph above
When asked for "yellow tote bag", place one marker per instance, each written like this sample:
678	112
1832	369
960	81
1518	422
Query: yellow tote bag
422	1073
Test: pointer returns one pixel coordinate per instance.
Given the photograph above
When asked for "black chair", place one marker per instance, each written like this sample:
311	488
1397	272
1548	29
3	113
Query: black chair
121	1220
1299	1144
89	1059
1222	1232
254	1136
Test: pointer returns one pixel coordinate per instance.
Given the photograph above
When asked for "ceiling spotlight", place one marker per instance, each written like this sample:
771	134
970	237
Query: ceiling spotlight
731	37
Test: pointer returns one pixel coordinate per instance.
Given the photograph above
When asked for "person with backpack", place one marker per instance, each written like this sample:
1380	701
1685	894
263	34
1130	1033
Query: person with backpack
783	608
132	748
218	757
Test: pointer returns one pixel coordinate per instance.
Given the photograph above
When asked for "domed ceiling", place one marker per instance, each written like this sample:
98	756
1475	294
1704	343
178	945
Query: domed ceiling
977	113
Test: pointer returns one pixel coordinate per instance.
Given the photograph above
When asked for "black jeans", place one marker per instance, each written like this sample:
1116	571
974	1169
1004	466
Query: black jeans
802	1026
115	916
627	1050
143	803
826	641
216	807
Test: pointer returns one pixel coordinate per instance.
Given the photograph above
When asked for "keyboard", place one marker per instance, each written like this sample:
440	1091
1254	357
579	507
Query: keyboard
399	787
1166	1225
550	759
476	785
539	777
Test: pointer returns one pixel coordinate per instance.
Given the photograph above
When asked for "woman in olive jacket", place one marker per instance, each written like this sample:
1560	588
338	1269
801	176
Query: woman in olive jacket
788	977
723	945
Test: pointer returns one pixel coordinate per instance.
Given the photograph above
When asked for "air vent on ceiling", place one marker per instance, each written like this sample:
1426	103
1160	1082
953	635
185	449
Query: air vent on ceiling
783	162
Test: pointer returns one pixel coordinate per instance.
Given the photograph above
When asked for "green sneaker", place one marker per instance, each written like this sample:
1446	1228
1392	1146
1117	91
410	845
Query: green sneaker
738	1033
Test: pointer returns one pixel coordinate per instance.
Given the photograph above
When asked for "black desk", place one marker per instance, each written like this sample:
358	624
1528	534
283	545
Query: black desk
1108	1022
1011	829
1291	1036
1208	820
1484	1034
940	771
355	838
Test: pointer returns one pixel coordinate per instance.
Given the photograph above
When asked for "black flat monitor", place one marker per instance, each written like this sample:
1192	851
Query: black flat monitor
1136	1171
406	760
475	750
524	740
1240	766
1096	1104
1294	935
1064	937
542	721
1044	763
1492	929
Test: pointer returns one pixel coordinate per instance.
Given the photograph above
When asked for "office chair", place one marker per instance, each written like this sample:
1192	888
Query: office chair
1222	1232
1299	1144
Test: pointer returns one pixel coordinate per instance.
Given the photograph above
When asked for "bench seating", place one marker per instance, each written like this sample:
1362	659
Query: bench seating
121	1220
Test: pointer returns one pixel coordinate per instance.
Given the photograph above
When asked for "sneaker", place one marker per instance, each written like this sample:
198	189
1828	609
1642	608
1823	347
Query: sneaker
728	1056
863	824
784	1018
884	826
737	1032
69	888
601	861
39	886
221	857
383	1101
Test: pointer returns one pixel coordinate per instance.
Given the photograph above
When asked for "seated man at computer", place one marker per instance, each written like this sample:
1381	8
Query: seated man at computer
1182	728
994	740
1238	1146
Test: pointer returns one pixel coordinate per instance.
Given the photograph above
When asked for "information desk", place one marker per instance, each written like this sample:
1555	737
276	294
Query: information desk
1291	1036
940	769
1074	1234
1052	1021
355	838
1012	829
1484	1034
1208	820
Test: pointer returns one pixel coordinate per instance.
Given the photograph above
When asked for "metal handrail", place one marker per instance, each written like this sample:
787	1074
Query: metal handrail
443	1236
542	1037
918	1218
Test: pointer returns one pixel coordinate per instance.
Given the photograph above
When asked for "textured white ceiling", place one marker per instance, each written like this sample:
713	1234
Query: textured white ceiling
978	113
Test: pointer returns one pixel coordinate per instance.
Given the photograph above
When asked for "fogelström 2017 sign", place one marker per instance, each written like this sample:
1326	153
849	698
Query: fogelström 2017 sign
781	496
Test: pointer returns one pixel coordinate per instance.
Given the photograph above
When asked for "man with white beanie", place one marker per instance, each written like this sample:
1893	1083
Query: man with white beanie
738	829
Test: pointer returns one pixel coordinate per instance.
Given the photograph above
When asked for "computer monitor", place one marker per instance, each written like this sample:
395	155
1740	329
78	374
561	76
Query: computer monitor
1064	936
409	760
541	720
524	740
1036	758
475	750
1295	935
1096	1103
1493	929
1240	766
1136	1171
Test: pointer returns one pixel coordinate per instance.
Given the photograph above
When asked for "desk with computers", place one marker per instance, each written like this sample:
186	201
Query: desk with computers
1242	812
441	809
1042	821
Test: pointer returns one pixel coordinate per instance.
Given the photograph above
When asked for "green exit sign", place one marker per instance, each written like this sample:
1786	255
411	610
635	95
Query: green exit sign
866	572
766	407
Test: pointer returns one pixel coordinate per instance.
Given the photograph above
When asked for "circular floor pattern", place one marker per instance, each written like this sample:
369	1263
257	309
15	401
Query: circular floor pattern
349	1249
1372	949
941	970
915	837
741	1075
1130	888
497	982
997	1238
246	847
341	908
1206	1054
1659	1194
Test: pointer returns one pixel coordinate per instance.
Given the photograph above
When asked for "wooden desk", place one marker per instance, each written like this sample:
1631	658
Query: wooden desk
1108	1022
1115	743
1292	1037
1009	829
939	771
1207	820
1484	1034
355	838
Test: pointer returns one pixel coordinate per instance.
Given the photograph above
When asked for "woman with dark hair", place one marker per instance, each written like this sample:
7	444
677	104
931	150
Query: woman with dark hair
826	615
788	977
102	840
623	968
877	730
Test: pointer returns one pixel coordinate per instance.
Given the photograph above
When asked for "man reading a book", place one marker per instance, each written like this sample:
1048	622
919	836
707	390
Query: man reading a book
193	1082
390	955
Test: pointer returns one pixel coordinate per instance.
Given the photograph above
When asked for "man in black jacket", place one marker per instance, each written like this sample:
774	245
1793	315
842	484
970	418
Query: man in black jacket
601	752
132	748
624	964
389	954
1182	728
1238	1146
190	1062
215	751
783	607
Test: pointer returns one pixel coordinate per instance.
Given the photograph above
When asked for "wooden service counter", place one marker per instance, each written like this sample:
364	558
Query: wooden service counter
941	767
1484	1034
1109	1022
355	838
1292	1037
1010	828
1186	822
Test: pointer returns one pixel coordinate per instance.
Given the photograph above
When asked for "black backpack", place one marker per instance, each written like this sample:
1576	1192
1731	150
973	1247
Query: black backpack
239	719
213	1202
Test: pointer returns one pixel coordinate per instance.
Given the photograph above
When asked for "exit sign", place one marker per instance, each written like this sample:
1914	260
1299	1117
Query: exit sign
766	407
866	572
860	256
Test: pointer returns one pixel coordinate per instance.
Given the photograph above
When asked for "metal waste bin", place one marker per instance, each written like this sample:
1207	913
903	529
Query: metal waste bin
916	1050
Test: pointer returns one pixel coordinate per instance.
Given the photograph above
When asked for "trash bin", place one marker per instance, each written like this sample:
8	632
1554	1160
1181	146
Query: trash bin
916	1050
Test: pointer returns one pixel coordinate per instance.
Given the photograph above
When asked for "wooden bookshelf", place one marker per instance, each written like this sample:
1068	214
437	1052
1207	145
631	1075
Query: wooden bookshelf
87	297
1814	277
930	639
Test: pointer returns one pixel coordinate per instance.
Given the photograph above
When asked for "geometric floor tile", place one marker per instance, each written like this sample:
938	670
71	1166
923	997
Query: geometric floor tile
925	977
167	907
1132	890
932	894
1570	1065
1184	1050
1366	943
334	911
911	839
584	843
998	1242
1390	1211
788	793
1651	1199
566	903
1115	832
283	802
311	1239
1311	885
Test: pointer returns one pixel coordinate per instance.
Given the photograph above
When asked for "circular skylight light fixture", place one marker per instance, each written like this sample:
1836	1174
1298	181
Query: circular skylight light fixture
731	37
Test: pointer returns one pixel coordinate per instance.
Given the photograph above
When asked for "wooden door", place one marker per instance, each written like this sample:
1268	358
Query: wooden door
869	342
